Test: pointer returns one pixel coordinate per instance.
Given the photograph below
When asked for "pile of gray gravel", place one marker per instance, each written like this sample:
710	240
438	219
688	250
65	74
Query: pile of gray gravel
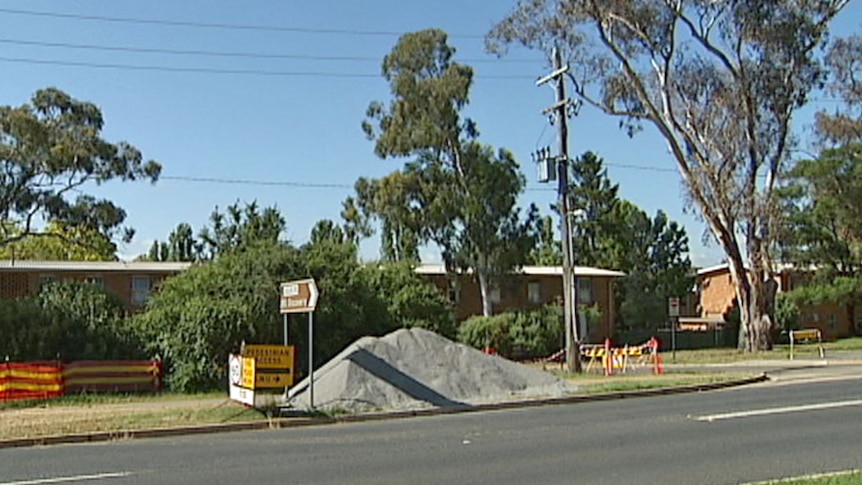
418	369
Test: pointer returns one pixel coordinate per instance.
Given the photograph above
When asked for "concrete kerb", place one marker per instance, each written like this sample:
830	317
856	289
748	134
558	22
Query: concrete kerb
281	423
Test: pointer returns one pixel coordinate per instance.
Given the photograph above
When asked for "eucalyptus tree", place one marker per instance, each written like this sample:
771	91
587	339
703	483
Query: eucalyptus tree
455	192
720	81
845	125
180	246
51	149
62	242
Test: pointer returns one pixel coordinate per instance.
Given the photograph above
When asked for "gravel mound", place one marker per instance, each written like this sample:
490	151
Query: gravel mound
417	369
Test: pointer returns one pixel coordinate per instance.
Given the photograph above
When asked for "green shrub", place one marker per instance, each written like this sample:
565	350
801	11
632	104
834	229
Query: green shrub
481	332
516	334
67	321
538	333
787	316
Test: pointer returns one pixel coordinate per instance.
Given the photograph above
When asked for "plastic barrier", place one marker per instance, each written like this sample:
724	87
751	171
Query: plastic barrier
807	335
622	359
30	381
113	376
46	380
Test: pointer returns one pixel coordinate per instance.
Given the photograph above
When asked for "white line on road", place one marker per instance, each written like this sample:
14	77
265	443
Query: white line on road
783	410
77	478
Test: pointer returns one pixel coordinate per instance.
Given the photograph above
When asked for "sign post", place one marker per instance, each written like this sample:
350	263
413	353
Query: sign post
301	297
673	313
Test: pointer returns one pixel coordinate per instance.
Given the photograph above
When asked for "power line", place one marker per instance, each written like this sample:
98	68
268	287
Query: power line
208	70
275	183
210	53
641	167
316	185
207	25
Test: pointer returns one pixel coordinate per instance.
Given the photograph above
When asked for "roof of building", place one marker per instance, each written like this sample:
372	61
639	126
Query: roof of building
107	266
712	269
432	269
778	267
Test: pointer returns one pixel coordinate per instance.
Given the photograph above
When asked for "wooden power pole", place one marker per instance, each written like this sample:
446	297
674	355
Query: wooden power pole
559	112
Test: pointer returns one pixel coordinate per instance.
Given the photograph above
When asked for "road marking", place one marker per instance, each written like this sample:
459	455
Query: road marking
783	410
816	476
77	478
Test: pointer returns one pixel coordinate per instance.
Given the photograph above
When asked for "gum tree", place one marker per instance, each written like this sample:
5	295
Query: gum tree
720	81
52	149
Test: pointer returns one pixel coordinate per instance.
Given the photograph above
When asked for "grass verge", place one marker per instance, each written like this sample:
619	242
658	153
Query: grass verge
779	352
76	415
592	384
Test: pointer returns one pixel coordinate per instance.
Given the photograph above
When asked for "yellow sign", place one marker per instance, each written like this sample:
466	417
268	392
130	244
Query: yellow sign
273	379
270	356
247	379
806	334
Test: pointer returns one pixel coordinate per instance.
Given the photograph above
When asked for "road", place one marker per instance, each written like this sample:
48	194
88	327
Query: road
720	437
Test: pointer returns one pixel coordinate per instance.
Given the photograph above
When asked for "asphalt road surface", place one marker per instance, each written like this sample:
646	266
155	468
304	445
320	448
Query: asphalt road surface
720	437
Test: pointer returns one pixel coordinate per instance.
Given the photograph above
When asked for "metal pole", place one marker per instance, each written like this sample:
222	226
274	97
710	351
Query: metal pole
285	329
310	360
673	336
285	344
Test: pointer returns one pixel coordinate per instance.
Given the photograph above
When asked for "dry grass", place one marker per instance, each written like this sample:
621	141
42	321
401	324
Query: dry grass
48	419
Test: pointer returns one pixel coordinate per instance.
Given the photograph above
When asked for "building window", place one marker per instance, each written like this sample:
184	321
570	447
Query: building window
454	291
141	287
494	294
96	281
534	292
585	291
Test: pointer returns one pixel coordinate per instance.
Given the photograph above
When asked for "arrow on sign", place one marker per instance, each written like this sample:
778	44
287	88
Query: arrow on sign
281	379
312	294
298	296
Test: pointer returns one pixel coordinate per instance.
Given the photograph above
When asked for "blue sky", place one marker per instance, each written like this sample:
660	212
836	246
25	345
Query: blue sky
285	129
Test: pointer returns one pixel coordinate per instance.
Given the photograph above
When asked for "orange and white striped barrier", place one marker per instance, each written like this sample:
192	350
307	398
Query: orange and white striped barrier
46	380
622	359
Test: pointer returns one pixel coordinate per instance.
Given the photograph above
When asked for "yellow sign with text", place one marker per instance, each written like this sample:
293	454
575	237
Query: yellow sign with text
270	356
247	379
273	379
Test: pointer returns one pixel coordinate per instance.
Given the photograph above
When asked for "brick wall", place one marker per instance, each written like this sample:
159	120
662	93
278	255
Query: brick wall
716	294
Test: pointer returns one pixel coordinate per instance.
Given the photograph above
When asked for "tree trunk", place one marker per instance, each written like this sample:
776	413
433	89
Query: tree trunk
484	289
755	293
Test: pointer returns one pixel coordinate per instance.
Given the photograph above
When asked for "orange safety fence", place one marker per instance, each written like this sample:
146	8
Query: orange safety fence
30	381
34	380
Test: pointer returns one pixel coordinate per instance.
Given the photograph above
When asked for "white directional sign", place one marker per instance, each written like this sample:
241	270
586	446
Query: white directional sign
298	296
673	307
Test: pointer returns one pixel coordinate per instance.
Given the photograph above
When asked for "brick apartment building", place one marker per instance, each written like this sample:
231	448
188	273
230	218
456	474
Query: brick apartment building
717	298
132	282
532	286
